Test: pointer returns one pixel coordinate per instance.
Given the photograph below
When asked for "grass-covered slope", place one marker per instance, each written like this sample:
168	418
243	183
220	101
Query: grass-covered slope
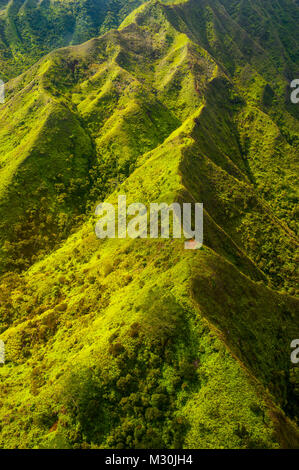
28	30
140	343
143	344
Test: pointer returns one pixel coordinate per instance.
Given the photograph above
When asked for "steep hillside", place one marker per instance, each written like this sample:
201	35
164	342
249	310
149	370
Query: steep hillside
28	30
140	343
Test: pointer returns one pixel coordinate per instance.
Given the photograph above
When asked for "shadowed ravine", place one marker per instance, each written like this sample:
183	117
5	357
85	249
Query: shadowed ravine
140	343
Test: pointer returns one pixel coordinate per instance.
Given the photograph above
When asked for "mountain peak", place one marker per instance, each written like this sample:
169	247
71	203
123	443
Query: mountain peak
140	343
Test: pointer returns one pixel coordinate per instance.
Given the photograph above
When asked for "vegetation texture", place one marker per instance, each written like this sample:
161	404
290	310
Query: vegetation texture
141	343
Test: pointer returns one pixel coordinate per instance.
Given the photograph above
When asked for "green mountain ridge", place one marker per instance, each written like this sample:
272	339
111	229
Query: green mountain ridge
140	343
29	30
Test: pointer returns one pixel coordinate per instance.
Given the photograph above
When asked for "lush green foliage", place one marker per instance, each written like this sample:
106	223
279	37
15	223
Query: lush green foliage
134	343
29	30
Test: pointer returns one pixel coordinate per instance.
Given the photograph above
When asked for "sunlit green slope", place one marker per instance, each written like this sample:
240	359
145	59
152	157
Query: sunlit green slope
140	343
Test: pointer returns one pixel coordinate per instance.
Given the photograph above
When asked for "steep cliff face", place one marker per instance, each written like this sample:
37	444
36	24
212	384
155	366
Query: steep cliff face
140	343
